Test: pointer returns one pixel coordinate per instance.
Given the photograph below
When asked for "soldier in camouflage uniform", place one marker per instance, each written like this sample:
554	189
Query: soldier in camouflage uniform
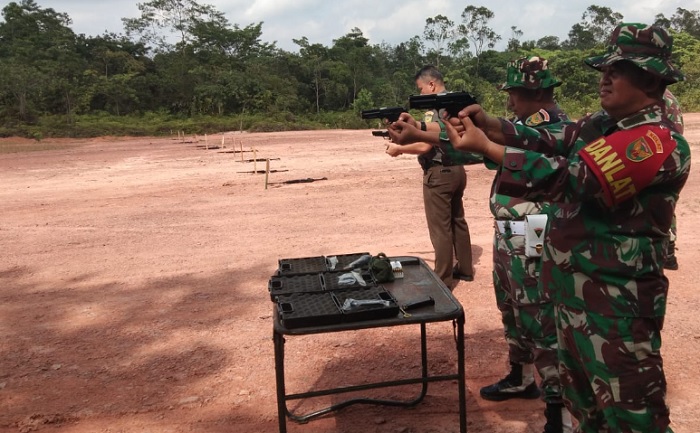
527	313
673	111
616	176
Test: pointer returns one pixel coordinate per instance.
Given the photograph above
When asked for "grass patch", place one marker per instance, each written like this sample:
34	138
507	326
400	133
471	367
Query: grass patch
15	147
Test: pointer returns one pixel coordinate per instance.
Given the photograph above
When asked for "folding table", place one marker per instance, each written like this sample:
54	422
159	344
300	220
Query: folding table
418	281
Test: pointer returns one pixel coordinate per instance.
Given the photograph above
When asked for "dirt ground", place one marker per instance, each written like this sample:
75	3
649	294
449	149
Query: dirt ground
133	287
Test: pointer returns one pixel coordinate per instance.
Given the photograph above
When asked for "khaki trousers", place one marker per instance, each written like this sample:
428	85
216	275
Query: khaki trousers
443	190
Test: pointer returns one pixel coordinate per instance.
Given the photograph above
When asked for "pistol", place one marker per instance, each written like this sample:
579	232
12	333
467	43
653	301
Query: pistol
451	102
383	134
389	113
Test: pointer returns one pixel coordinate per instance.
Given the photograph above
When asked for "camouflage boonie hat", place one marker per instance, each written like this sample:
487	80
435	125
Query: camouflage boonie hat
648	47
529	72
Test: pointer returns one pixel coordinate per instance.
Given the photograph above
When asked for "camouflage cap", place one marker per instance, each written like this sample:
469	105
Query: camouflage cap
529	72
648	47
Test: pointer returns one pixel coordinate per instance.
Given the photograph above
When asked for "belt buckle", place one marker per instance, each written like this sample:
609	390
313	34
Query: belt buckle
508	231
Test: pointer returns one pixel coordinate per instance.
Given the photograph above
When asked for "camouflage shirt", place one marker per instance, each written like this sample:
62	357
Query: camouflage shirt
615	185
673	110
504	206
508	207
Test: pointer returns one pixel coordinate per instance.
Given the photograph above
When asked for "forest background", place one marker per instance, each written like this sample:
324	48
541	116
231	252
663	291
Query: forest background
182	66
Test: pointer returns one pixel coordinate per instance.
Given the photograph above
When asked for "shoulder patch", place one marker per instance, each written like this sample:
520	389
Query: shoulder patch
538	118
626	162
428	116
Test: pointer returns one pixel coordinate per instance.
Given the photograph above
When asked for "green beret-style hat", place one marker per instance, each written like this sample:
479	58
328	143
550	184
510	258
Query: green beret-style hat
648	47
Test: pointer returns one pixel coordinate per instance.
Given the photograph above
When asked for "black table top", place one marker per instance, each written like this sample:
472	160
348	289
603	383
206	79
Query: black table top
418	281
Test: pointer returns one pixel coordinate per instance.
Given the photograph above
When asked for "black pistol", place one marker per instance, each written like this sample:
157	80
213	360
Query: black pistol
383	134
389	113
451	102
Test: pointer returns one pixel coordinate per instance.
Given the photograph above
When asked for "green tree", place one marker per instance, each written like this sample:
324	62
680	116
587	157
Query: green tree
364	101
439	30
597	24
578	93
580	38
686	55
40	60
514	43
475	28
353	66
682	20
113	64
395	83
20	89
224	54
548	43
162	19
315	64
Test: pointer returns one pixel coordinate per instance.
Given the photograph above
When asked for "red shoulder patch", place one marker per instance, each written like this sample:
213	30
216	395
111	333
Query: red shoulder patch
626	162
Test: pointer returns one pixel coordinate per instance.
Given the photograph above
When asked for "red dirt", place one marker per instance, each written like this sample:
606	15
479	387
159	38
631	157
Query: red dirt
133	287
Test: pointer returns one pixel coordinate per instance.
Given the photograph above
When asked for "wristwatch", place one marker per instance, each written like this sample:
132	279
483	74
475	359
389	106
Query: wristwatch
423	126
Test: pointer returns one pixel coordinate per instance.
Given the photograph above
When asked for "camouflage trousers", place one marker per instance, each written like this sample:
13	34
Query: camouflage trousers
527	313
673	231
612	372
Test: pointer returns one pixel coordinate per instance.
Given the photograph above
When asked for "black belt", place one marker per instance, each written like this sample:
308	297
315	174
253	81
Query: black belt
436	163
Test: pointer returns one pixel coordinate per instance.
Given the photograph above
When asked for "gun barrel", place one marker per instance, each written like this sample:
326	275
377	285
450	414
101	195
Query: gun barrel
370	114
390	113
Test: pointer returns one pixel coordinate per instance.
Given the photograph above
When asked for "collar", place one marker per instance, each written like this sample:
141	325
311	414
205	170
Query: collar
650	114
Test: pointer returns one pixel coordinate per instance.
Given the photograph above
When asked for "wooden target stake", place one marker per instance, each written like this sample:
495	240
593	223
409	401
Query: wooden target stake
255	161
267	171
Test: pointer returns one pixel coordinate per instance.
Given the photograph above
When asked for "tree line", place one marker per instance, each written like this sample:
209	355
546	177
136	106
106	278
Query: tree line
184	60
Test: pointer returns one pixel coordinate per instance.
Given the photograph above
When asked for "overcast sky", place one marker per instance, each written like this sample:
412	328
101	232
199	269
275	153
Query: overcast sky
393	22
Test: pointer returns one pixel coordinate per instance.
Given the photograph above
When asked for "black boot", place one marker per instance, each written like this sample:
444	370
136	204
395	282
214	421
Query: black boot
512	386
558	419
671	263
553	415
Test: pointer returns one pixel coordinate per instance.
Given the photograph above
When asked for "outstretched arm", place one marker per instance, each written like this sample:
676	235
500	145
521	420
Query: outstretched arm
419	148
489	124
474	139
401	132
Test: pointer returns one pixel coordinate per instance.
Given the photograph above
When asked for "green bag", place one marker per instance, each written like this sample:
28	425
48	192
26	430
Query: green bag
380	266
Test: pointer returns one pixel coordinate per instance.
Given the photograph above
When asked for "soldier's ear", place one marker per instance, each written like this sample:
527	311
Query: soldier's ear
650	84
539	94
645	81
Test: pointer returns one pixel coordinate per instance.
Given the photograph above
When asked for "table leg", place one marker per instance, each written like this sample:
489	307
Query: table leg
279	374
460	372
